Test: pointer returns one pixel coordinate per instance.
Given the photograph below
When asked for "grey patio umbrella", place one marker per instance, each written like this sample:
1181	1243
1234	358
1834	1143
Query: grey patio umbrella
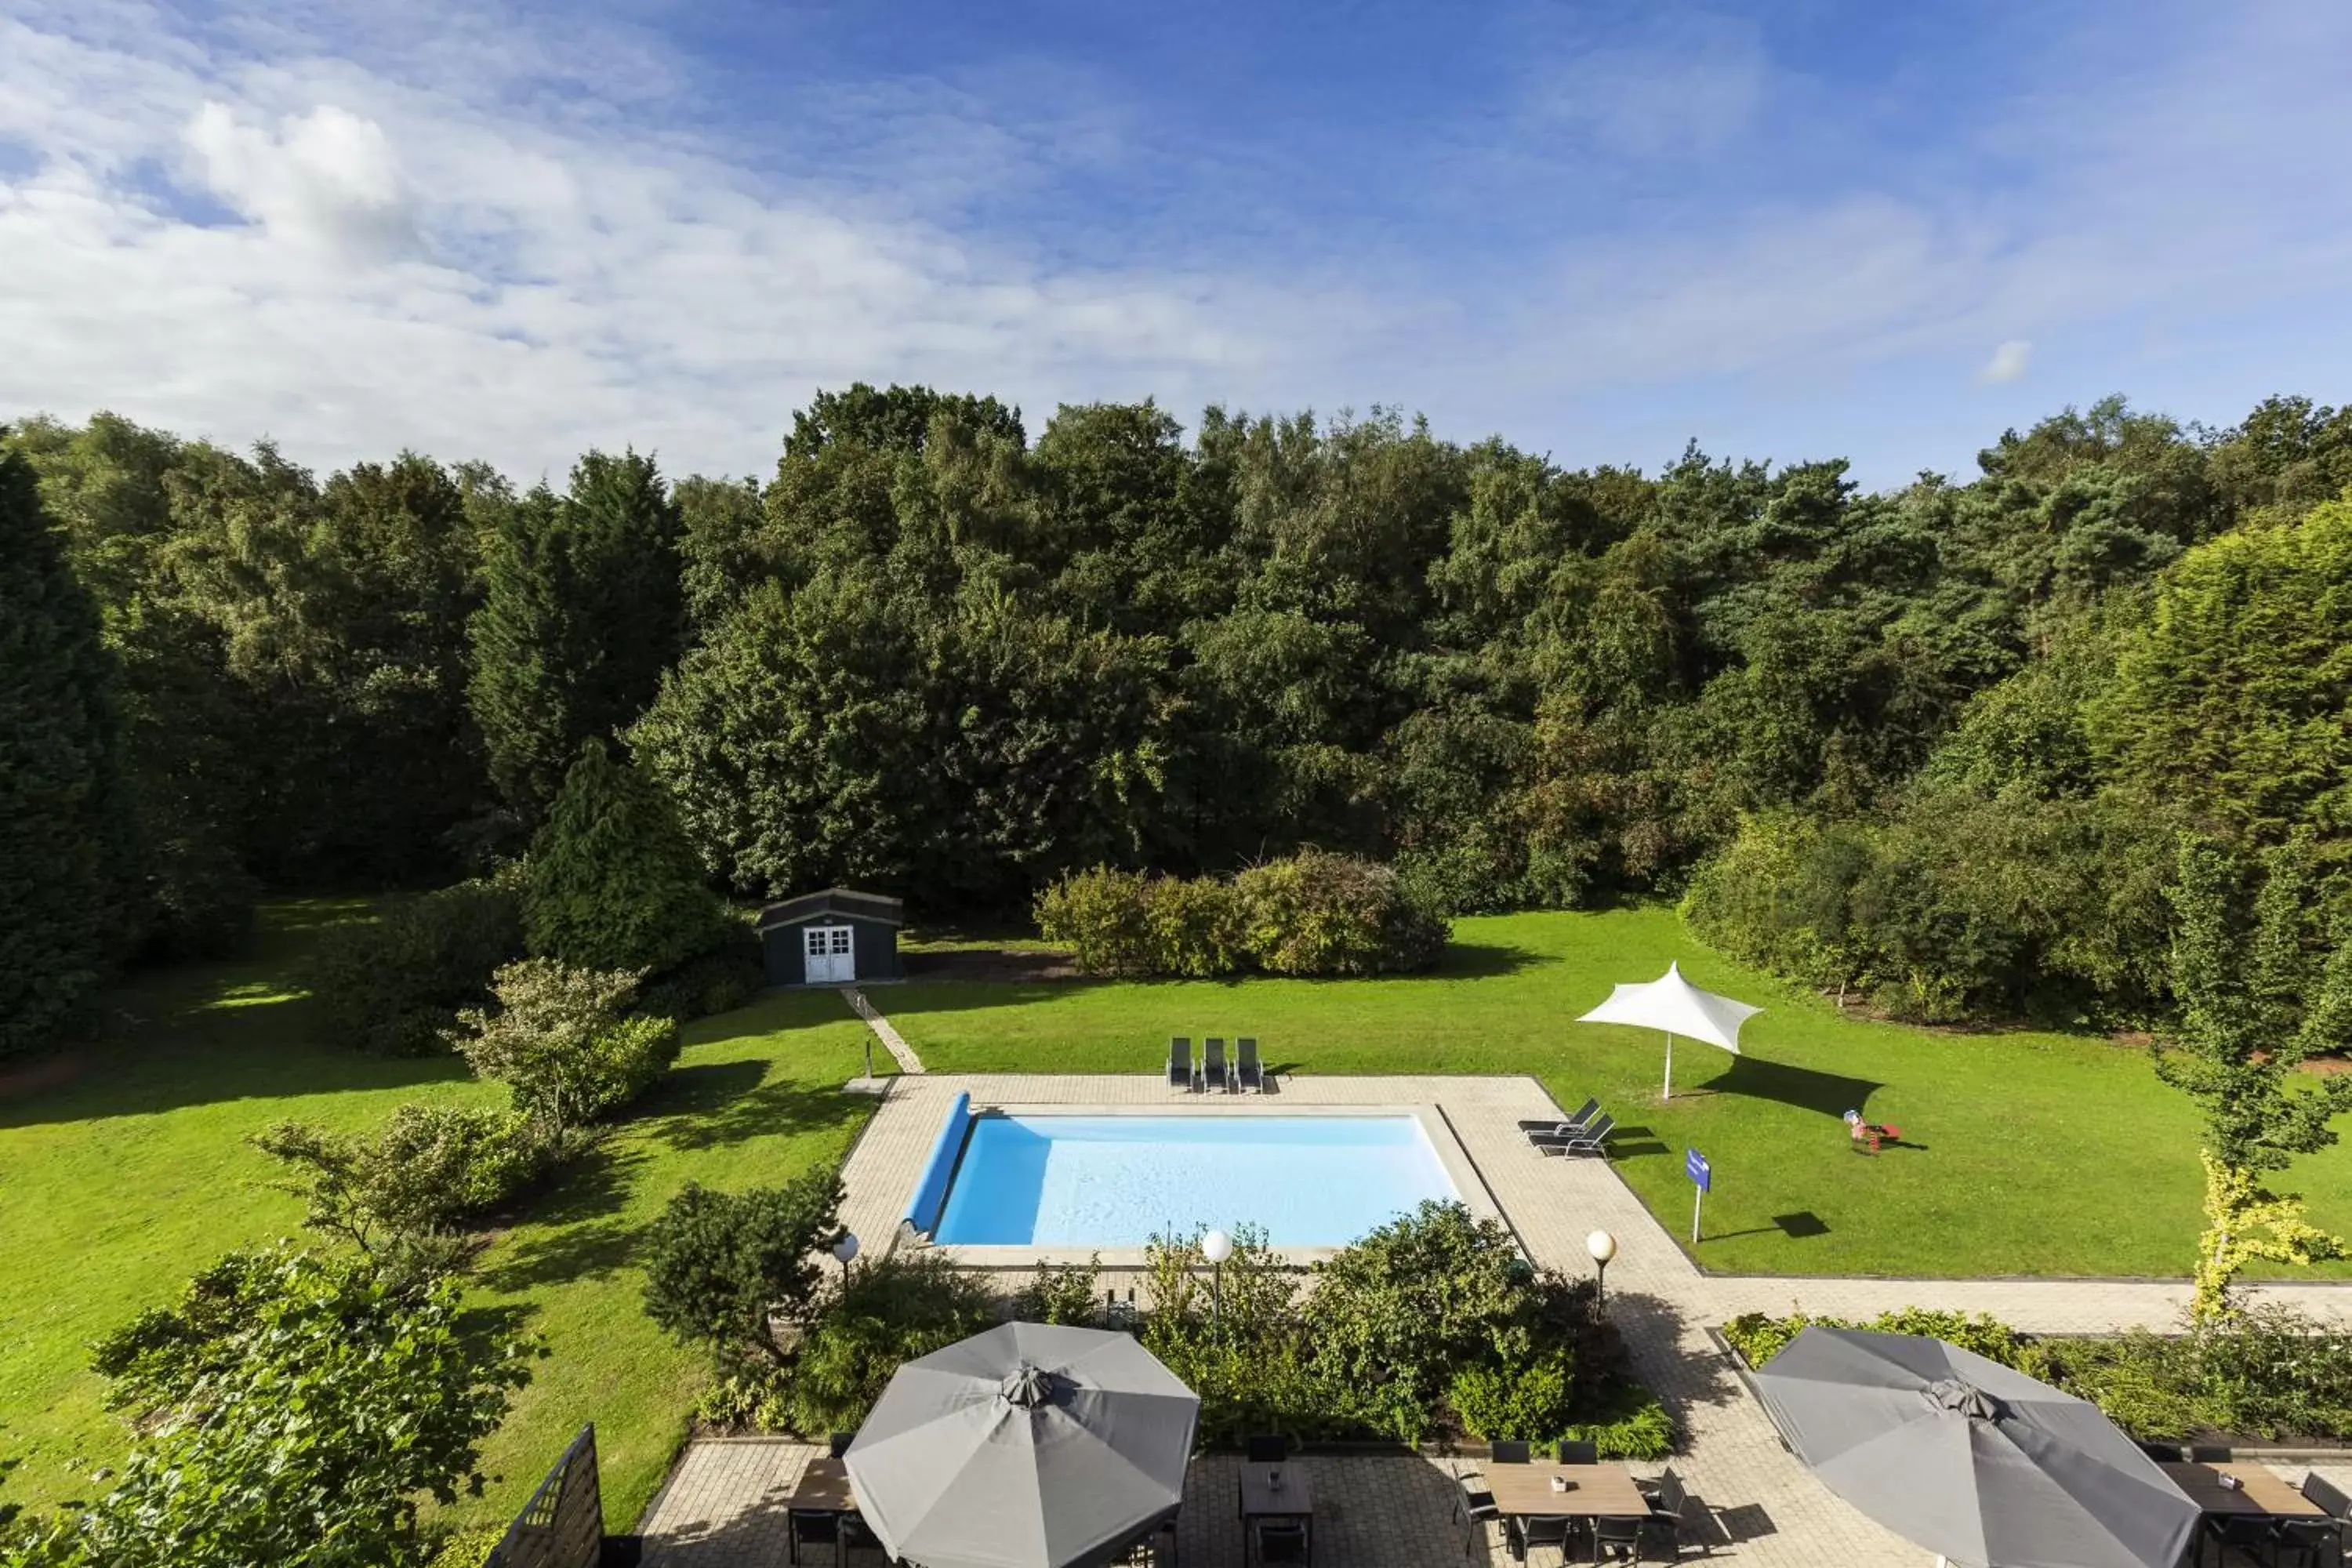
1025	1447
1981	1464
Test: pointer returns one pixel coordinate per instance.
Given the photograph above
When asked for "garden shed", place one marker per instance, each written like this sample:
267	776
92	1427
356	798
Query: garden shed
833	937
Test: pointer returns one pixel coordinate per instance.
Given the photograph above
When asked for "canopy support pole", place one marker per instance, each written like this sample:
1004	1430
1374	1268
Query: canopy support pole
1668	1091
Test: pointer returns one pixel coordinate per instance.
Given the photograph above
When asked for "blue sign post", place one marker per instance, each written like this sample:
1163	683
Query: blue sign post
1701	1178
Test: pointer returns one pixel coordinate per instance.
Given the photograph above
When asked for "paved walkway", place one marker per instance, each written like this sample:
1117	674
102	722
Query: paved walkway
1769	1511
900	1052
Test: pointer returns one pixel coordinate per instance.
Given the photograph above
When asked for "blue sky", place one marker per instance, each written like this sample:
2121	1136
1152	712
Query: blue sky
1808	230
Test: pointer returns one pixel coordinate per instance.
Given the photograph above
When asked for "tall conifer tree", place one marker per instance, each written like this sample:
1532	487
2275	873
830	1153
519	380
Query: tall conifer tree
614	883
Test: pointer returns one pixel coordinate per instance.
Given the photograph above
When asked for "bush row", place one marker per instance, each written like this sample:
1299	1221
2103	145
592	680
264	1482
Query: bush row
1311	914
2262	1372
1433	1323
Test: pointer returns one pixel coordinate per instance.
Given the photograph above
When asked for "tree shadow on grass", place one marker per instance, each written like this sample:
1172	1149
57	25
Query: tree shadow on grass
719	1103
573	1230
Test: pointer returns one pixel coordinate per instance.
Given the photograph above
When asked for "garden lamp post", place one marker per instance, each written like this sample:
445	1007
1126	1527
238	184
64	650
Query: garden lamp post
1216	1246
846	1250
1603	1247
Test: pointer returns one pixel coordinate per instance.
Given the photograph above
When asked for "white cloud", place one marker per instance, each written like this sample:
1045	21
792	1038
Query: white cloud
327	178
2007	362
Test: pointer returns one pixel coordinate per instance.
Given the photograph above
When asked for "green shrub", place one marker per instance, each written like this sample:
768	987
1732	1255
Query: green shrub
392	986
886	1313
1760	1336
1235	1338
403	1192
722	1268
1195	927
467	1548
719	981
1061	1294
1103	916
1630	1425
1319	913
564	1042
1312	914
1526	1399
1394	1317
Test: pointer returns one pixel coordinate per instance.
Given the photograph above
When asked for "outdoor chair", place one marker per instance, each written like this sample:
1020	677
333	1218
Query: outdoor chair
1572	1452
2319	1489
857	1535
1559	1128
1282	1541
2308	1543
2207	1453
839	1442
1593	1140
1866	1137
1247	1073
1545	1529
2245	1532
1181	1071
1616	1539
1474	1505
1271	1448
1667	1500
2162	1453
1212	1065
1510	1453
812	1530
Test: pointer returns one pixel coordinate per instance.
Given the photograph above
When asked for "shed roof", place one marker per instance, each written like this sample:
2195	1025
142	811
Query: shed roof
835	902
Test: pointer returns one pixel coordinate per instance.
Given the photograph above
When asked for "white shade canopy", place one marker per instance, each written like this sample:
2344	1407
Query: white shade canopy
1677	1006
1674	1004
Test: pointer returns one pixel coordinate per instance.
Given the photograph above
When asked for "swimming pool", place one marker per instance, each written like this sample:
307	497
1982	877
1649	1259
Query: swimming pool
1117	1181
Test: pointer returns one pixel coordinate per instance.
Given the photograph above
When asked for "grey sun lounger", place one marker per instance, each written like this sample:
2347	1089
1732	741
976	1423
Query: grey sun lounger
1180	1062
1247	1072
1559	1128
1212	1074
1588	1142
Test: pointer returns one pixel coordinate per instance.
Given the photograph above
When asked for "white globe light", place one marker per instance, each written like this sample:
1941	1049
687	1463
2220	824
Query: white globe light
1216	1246
1601	1244
845	1248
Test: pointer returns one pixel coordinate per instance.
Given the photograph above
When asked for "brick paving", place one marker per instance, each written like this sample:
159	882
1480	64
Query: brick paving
1759	1506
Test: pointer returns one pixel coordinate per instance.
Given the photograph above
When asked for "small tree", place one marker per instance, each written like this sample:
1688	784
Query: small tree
290	1408
721	1268
2256	999
564	1043
612	883
400	1195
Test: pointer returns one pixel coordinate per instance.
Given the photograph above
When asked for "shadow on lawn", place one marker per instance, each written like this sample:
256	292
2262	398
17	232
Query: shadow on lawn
1829	1094
573	1229
718	1103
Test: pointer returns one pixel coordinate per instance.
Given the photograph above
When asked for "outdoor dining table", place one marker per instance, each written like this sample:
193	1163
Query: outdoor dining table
823	1487
2257	1492
1262	1498
1595	1491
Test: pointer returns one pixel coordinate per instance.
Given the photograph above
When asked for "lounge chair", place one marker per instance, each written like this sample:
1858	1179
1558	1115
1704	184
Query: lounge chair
1247	1073
1573	1124
1592	1140
1212	1073
1181	1071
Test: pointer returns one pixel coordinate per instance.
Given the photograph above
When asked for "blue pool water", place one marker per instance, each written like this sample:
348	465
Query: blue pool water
1117	1181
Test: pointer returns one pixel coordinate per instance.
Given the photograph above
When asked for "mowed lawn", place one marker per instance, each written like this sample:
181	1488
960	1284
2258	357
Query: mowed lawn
2028	1153
123	1179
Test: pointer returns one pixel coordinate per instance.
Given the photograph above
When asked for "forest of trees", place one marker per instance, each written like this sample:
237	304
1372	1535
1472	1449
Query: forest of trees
1931	745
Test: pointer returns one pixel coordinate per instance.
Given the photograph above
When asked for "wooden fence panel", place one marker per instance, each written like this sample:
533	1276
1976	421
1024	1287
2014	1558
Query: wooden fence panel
562	1526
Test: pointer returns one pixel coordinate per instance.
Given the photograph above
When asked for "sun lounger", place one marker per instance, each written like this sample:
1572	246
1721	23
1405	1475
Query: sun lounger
1574	1125
1212	1065
1592	1140
1181	1071
1247	1072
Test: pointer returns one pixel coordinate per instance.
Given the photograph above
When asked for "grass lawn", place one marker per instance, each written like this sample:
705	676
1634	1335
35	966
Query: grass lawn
119	1183
2038	1153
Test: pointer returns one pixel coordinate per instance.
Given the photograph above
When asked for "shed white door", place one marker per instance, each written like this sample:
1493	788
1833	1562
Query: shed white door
829	955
